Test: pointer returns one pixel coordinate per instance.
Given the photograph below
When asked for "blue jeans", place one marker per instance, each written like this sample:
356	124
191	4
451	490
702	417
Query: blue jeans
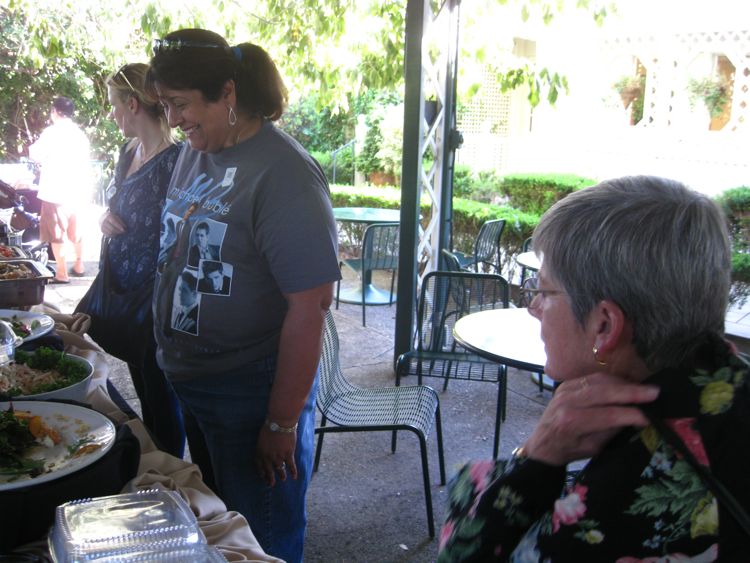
160	409
223	415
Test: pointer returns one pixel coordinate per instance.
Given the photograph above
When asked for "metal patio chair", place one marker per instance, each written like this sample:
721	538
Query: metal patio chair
486	247
445	297
379	252
356	409
528	246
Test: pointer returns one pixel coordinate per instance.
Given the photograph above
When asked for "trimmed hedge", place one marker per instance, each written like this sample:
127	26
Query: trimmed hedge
535	193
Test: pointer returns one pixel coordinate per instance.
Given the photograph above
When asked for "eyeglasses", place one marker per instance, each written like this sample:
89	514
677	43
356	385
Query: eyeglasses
530	291
165	45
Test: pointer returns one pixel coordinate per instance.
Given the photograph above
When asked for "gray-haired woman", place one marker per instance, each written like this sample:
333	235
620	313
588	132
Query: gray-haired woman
632	296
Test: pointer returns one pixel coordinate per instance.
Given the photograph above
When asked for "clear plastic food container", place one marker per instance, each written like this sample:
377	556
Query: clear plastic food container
197	553
90	529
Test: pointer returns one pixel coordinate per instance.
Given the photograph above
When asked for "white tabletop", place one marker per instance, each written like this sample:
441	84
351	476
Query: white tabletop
508	336
529	260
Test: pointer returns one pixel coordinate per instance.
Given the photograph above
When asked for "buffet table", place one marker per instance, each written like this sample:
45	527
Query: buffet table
228	531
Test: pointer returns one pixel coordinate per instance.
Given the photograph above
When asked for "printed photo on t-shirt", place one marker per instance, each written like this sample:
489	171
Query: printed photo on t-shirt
205	241
186	303
167	235
215	277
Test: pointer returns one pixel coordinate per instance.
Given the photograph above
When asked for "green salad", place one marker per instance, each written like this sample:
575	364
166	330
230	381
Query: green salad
15	439
40	371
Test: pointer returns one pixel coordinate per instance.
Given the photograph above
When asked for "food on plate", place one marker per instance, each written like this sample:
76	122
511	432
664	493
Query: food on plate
16	271
16	438
7	251
30	447
39	372
21	328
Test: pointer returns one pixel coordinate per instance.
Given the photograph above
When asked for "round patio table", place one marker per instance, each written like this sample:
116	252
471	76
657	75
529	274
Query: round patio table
506	336
368	215
529	260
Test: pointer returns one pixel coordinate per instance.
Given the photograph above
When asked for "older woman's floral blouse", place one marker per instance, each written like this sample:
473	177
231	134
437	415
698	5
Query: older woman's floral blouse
637	501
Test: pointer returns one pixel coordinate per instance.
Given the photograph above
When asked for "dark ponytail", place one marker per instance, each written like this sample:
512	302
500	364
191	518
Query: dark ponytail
260	88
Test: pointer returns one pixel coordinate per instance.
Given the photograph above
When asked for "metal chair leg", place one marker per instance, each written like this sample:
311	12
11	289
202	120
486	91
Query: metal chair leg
498	418
338	287
318	448
439	432
363	298
426	479
393	280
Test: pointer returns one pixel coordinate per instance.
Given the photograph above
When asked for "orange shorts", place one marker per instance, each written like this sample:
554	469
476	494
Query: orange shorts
57	222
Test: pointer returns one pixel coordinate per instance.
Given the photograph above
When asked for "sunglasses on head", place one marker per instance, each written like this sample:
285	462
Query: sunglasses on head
121	72
166	45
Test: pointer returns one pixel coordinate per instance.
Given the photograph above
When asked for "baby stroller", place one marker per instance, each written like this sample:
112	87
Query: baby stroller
19	227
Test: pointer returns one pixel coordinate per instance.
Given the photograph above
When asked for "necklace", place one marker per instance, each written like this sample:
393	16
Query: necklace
143	159
244	130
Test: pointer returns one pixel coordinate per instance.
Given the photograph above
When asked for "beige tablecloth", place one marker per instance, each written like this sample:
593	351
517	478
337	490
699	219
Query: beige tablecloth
227	530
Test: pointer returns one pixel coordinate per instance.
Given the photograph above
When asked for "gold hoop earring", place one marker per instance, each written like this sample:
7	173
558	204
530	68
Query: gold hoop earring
598	361
232	117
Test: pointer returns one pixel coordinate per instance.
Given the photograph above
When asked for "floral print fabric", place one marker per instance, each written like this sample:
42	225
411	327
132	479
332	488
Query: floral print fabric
138	201
637	501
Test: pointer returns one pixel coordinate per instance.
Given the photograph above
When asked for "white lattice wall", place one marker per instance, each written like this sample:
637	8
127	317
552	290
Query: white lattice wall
485	126
671	62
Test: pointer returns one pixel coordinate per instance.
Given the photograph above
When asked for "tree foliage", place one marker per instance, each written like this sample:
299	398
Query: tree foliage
338	49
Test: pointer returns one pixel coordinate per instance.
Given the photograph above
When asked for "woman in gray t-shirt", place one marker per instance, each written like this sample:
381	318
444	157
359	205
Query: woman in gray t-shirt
259	206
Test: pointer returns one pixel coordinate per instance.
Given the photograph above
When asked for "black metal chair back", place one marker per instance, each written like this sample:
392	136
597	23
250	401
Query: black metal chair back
444	298
528	246
487	244
380	246
452	263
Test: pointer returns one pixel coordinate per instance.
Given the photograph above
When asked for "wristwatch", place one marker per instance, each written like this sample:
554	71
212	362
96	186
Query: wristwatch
517	459
275	427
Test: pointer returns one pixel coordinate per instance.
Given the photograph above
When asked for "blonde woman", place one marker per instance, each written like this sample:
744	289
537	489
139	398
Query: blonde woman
136	198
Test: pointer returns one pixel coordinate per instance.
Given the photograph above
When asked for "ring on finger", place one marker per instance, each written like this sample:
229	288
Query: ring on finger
281	467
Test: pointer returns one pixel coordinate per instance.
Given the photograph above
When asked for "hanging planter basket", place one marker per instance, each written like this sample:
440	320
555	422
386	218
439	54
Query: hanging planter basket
628	95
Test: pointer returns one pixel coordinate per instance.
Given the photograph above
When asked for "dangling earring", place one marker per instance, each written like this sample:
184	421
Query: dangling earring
598	361
232	117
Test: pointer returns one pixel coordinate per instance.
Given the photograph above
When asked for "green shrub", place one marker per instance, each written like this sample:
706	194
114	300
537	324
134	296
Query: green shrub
462	180
535	193
344	165
317	129
367	159
486	186
325	161
736	204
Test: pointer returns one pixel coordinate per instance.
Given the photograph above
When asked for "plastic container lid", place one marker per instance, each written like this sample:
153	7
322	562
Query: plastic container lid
198	553
115	525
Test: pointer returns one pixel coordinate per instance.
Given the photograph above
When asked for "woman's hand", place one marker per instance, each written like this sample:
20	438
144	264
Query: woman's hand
584	414
111	225
275	454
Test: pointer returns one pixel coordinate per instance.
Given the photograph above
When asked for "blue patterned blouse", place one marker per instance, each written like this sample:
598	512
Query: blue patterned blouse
138	201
